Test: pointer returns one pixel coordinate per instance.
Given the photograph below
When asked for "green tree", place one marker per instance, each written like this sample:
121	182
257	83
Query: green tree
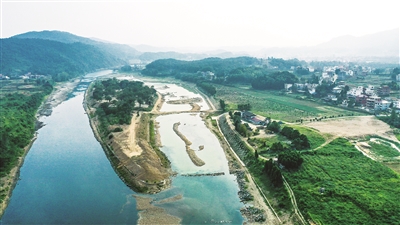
273	173
244	107
222	104
290	159
274	126
277	147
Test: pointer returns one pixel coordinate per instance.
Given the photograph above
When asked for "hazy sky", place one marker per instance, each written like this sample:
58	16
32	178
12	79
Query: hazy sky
203	23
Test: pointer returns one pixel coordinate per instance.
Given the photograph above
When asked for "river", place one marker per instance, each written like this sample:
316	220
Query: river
66	177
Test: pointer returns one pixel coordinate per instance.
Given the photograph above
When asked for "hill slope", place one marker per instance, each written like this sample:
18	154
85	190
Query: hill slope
124	52
51	57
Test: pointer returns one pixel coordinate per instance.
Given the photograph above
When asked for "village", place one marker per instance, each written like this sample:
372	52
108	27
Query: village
338	86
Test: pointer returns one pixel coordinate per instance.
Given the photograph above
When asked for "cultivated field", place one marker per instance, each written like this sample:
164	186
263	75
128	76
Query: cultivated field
278	106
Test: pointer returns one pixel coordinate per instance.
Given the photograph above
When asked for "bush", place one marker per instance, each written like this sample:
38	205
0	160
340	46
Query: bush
117	129
290	159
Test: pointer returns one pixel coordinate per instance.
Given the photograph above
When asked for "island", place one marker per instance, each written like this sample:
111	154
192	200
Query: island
121	121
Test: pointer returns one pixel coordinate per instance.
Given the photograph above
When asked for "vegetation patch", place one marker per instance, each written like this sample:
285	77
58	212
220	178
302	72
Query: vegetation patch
276	105
339	185
116	101
256	166
383	149
17	119
315	138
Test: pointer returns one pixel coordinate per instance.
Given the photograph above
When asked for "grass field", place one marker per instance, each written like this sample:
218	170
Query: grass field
357	190
279	107
383	149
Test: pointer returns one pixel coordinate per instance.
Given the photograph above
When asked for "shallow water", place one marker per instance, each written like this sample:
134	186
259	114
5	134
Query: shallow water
206	199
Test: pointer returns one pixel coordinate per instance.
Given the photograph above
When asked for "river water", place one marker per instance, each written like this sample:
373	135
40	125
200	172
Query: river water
66	177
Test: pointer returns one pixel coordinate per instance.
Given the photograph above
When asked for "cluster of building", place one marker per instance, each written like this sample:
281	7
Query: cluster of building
24	76
371	98
31	76
4	77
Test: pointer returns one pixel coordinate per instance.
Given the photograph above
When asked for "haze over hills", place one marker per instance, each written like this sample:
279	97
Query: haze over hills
122	51
381	46
378	47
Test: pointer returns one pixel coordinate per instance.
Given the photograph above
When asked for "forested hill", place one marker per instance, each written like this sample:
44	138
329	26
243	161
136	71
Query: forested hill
61	60
121	51
166	67
224	71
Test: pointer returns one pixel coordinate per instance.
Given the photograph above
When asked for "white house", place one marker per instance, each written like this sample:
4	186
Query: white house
398	77
337	90
382	105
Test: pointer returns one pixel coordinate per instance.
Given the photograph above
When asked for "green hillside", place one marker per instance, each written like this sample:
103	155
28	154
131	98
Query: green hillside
61	60
121	51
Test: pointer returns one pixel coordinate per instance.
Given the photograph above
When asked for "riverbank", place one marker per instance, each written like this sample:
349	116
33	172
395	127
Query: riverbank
56	97
249	193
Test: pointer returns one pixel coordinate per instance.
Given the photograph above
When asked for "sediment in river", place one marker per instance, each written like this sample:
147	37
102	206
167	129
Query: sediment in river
192	154
150	214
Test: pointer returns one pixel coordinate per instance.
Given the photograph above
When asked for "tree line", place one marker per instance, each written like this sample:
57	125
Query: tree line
17	119
225	71
117	100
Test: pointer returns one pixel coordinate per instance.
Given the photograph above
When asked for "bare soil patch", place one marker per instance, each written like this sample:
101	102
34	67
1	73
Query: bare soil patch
126	140
354	127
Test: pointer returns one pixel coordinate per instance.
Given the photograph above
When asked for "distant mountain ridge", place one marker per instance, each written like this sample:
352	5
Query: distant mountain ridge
124	52
378	46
